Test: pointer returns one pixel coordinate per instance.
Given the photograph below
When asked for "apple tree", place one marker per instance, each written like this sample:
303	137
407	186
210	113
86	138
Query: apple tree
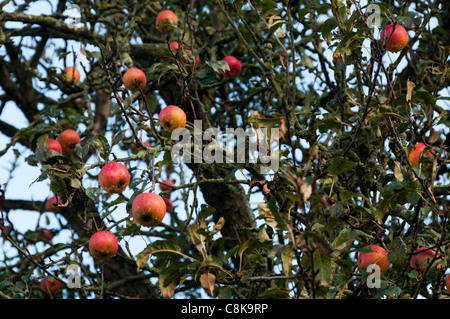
334	111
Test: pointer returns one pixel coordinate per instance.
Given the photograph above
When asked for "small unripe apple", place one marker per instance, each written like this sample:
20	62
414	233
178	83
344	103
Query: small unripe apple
48	234
166	187
148	209
71	74
416	153
172	117
114	177
134	79
169	204
68	139
421	257
235	67
103	245
378	255
398	40
50	285
162	18
51	204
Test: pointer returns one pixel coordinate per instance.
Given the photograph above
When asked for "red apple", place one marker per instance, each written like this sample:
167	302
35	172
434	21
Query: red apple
103	245
51	204
172	117
68	139
48	234
50	285
134	79
71	74
378	255
148	209
162	18
175	46
163	187
235	67
416	153
421	257
169	204
114	177
53	144
398	40
447	282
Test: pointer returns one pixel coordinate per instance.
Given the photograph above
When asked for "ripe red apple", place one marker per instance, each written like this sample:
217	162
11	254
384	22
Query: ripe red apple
148	209
48	234
53	144
235	67
163	187
51	204
175	46
416	153
398	40
103	245
68	139
419	260
172	117
71	74
114	177
134	79
447	282
50	285
169	204
162	17
377	256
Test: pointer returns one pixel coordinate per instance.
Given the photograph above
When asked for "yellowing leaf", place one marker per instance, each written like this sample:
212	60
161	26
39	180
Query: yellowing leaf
207	280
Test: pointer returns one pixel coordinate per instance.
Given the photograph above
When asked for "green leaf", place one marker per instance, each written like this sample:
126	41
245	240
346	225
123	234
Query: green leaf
322	267
271	204
397	253
276	293
58	186
233	171
327	27
159	247
340	165
218	66
205	76
286	259
100	143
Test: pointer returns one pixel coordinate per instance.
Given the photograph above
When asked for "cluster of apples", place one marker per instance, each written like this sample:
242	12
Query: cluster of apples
64	143
148	209
419	260
421	255
166	20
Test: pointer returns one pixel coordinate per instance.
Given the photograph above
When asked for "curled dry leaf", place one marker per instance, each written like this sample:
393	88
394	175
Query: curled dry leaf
218	226
282	129
305	191
398	172
273	20
207	280
434	136
327	201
